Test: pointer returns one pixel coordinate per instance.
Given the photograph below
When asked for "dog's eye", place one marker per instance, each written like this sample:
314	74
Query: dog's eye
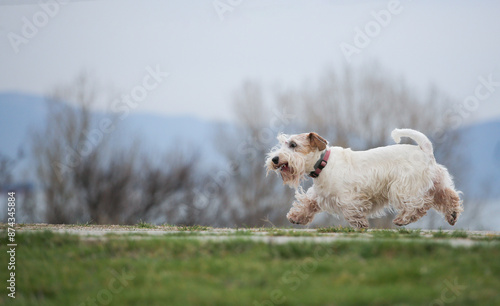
293	145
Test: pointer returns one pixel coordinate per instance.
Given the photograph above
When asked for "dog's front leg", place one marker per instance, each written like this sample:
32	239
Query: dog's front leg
304	209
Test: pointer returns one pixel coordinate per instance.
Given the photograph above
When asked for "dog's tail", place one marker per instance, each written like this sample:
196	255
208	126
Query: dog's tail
423	142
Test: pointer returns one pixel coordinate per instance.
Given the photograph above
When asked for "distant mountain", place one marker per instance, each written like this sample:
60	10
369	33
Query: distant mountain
21	113
480	148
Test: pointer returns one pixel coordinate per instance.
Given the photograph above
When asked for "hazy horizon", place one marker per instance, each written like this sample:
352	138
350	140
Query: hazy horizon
209	48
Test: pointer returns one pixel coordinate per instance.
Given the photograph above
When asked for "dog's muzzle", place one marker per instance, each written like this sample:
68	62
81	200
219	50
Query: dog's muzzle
283	166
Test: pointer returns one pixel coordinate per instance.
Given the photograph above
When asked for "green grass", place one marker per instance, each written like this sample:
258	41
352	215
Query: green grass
440	234
385	234
240	232
339	229
399	233
143	224
193	228
459	234
62	269
88	223
411	233
455	234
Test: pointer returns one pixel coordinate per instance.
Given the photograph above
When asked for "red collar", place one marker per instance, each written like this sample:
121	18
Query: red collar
320	164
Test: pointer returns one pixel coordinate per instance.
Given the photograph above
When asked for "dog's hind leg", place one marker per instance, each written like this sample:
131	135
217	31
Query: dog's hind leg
448	202
355	216
357	220
407	216
445	199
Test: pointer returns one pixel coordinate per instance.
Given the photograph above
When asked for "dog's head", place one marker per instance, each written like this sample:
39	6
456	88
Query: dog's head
295	156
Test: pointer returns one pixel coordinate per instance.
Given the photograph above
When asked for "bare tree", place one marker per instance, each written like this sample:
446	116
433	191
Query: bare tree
358	108
87	176
252	199
24	191
167	187
6	167
58	150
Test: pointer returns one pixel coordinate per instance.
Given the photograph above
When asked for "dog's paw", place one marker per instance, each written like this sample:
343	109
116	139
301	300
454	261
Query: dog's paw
293	218
297	216
359	224
400	222
452	218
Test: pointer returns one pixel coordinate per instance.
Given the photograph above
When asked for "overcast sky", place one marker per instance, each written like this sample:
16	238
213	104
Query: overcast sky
208	53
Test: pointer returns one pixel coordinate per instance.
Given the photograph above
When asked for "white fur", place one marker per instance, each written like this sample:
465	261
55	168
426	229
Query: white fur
359	184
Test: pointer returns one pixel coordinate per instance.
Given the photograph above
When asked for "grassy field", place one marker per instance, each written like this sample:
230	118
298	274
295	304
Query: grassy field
183	267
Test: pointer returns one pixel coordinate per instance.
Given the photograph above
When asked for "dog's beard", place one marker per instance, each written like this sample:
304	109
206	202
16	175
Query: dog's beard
291	169
290	177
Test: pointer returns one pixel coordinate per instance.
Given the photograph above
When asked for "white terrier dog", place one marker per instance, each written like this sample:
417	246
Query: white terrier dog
360	184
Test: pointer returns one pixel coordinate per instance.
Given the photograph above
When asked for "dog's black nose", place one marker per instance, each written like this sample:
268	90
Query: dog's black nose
276	160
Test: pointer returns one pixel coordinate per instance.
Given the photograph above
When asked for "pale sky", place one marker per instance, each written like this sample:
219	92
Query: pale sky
447	43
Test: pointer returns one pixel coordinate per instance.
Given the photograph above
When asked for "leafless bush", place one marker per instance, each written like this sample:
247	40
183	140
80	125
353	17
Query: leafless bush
6	165
250	198
167	188
58	150
358	108
88	176
24	191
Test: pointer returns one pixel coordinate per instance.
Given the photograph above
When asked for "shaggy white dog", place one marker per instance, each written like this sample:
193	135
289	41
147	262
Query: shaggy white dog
359	184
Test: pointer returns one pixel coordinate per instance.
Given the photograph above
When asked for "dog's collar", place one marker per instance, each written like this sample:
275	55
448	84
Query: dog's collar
320	164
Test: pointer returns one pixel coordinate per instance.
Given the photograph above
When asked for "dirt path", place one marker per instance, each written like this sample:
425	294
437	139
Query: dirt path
269	235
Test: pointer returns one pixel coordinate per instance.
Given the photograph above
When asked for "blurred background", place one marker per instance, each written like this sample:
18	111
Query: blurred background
115	112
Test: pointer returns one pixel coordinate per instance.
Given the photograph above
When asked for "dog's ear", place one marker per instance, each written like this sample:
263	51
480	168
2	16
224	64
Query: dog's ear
317	141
